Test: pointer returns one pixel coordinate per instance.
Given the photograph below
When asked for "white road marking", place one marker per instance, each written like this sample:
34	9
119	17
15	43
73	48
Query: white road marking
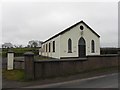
68	82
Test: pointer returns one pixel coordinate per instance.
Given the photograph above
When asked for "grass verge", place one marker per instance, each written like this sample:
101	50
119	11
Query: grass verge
19	75
13	75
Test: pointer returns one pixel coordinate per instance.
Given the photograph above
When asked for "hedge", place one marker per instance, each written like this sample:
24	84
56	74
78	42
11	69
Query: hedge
20	51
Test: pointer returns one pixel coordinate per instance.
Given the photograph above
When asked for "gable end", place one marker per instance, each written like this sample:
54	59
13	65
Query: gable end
71	28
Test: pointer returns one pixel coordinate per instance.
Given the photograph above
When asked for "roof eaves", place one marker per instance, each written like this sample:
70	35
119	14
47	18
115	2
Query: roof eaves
69	29
90	29
63	31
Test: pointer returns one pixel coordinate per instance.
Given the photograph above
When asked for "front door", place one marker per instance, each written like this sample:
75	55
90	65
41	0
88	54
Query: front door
81	48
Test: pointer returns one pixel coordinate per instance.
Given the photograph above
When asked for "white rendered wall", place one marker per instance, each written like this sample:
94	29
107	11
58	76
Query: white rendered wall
55	54
75	34
61	43
10	58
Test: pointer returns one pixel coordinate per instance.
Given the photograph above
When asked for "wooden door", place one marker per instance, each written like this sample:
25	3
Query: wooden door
81	48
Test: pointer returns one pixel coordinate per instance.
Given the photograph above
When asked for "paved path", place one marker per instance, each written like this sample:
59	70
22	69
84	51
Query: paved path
17	84
0	73
104	81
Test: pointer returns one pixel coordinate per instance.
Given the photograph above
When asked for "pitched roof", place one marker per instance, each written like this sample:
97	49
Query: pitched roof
71	28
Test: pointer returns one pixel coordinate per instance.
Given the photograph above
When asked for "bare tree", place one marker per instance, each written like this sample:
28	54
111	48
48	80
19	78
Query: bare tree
33	43
7	45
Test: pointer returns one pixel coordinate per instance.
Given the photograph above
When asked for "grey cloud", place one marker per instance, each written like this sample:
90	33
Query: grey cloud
27	21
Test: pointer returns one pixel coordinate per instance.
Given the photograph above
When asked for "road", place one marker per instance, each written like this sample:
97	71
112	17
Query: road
0	73
104	81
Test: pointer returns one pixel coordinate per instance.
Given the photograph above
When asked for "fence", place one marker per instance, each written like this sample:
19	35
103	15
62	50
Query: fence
53	68
36	69
48	68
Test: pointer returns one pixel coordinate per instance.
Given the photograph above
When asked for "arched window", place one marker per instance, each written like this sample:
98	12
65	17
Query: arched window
49	47
53	46
81	47
69	46
46	47
92	46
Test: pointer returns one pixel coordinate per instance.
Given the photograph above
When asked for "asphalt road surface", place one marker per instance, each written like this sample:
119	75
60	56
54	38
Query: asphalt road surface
0	73
104	81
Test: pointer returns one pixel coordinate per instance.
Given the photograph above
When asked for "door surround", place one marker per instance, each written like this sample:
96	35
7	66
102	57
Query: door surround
81	48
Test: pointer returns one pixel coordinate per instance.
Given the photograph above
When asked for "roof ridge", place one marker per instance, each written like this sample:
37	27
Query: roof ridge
65	30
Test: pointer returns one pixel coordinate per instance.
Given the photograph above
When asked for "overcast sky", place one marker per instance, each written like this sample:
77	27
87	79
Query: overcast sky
24	21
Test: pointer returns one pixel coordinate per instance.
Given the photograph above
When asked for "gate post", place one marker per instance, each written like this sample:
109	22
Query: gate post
10	60
118	59
29	65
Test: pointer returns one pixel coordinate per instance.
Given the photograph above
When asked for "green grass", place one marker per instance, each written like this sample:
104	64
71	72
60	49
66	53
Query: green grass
18	75
20	51
0	53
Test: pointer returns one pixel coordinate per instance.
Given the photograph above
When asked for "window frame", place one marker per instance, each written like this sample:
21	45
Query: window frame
53	46
46	47
49	47
81	27
69	45
92	46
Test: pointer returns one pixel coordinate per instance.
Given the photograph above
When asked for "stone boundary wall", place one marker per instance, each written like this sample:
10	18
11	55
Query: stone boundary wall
56	67
19	64
48	68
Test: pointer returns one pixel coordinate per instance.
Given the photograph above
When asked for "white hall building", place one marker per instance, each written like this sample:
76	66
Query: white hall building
77	41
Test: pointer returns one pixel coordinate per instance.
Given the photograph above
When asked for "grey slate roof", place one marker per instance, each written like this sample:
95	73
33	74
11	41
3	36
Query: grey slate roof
62	32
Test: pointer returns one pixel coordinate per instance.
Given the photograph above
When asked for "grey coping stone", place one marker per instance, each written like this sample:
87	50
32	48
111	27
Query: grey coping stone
70	59
103	55
28	53
10	51
62	60
18	59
